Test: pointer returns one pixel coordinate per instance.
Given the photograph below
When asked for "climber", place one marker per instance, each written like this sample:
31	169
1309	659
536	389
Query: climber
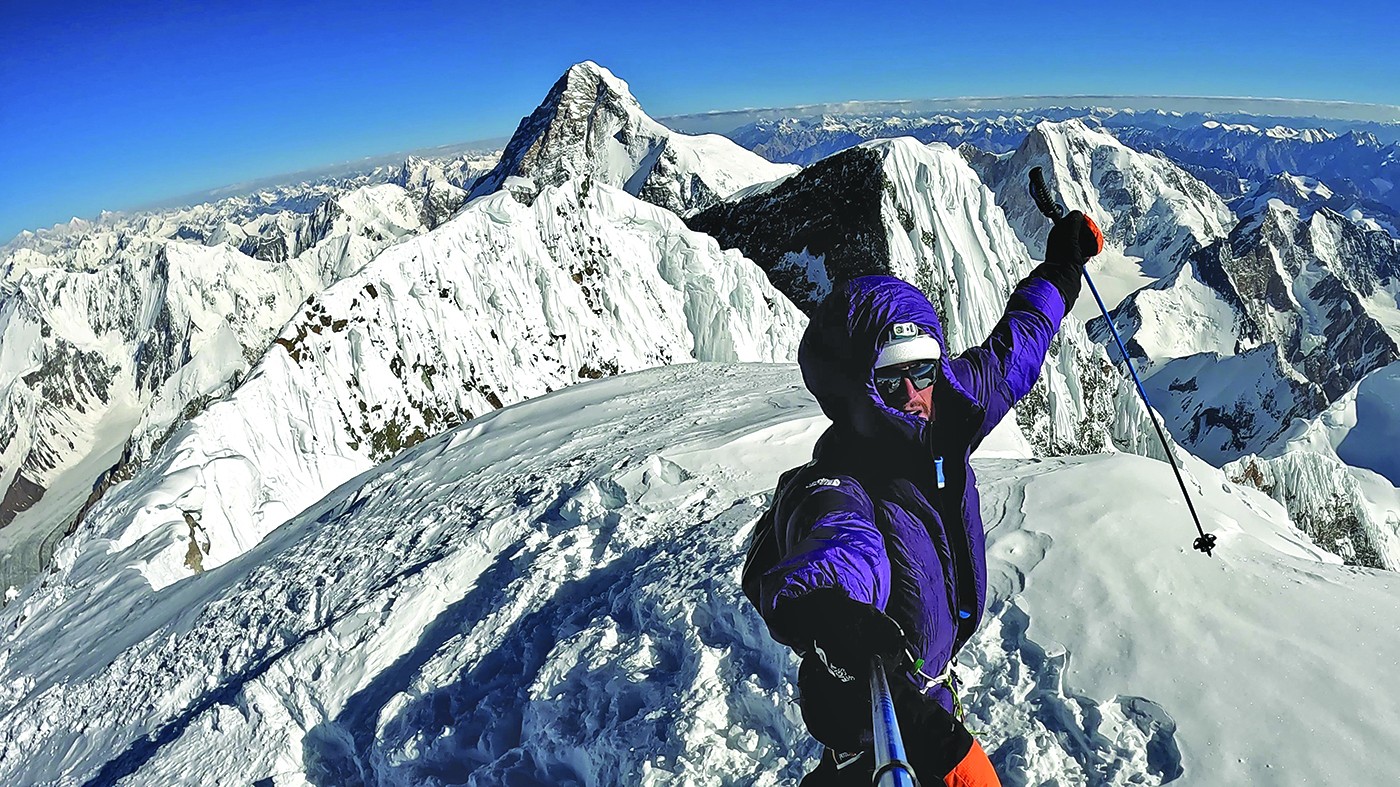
876	546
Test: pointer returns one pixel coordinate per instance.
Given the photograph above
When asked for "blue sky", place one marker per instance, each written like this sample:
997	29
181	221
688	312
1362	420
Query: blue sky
114	105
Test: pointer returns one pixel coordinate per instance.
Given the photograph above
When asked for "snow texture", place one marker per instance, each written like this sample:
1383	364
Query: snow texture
549	594
503	303
1264	326
282	572
112	337
1148	208
1337	473
919	212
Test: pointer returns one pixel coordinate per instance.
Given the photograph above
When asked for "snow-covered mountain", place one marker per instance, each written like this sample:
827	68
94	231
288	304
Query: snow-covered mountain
1356	163
1153	214
549	594
268	221
807	140
1337	473
919	212
1308	194
502	303
87	392
115	331
1232	152
429	184
280	572
111	338
1267	325
591	126
1359	428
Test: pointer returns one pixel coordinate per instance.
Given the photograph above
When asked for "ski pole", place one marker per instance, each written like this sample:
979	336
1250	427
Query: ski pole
1055	211
891	768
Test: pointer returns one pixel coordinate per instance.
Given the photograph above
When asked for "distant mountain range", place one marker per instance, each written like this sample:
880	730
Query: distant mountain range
1384	118
439	472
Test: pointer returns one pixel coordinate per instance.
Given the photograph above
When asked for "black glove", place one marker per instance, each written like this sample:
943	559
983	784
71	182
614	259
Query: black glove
845	634
1073	240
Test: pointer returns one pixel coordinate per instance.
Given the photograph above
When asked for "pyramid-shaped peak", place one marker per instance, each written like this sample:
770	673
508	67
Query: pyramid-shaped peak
591	71
589	83
1147	207
590	125
1298	195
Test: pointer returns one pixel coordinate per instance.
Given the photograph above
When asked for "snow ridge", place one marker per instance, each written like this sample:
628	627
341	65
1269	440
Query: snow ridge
1148	208
504	302
116	331
1267	325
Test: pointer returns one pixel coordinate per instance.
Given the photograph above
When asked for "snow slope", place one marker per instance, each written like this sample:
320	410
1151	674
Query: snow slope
111	337
549	595
502	303
919	212
1361	427
1264	326
1337	472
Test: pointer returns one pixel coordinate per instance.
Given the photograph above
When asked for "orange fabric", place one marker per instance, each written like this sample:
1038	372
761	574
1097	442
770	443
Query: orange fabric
975	770
1098	233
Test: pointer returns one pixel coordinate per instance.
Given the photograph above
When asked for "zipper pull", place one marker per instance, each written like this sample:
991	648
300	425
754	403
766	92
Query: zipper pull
938	472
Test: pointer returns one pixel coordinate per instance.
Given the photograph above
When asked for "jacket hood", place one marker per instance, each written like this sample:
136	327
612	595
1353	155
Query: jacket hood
838	351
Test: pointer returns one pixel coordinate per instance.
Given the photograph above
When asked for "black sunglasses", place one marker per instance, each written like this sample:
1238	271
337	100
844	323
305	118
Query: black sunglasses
922	375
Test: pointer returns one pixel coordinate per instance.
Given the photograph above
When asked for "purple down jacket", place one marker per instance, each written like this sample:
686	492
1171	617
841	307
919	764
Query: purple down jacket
867	516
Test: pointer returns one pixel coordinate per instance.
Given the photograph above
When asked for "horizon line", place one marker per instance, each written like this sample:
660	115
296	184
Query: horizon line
237	187
1040	96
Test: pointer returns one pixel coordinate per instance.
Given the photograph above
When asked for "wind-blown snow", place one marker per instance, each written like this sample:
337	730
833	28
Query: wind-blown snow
1339	471
549	594
115	333
919	212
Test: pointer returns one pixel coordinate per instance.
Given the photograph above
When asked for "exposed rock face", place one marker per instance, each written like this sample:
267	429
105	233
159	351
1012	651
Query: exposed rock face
429	185
502	303
808	140
1269	324
1327	501
831	211
919	212
590	126
1356	164
1231	158
1338	473
1308	195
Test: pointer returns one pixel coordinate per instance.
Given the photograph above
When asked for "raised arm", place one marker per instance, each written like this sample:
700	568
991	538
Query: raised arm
1002	369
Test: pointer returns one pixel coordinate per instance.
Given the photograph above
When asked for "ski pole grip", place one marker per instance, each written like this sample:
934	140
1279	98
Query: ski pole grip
1041	194
891	766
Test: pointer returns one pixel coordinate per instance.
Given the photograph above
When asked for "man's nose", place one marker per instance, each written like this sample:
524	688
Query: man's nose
908	387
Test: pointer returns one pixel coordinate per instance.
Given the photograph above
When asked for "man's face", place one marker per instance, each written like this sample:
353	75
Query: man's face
908	387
